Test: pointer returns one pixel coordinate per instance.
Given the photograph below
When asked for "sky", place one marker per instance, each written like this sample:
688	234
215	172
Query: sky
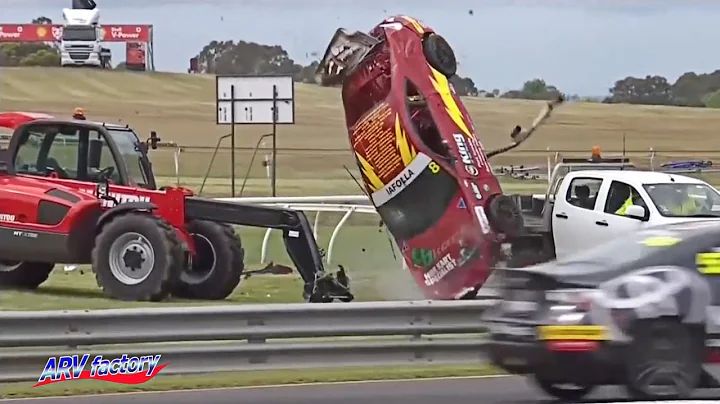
580	46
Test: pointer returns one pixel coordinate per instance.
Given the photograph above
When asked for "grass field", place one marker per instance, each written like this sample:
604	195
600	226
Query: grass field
181	108
364	250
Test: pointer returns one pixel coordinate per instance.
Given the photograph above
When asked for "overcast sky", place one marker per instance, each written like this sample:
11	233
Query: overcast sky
581	46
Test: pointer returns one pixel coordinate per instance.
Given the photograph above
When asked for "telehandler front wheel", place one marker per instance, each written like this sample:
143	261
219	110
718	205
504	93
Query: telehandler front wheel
217	267
23	275
137	257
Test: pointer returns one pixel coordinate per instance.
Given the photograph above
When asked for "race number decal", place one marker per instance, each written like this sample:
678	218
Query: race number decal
708	263
434	167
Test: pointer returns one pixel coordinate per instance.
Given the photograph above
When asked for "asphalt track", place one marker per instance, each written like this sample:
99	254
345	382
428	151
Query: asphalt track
479	390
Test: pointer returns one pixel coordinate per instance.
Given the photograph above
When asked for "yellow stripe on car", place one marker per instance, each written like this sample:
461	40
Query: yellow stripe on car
708	263
572	333
442	86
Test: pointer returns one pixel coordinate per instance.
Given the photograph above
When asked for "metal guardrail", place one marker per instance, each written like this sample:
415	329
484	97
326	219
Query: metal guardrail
249	337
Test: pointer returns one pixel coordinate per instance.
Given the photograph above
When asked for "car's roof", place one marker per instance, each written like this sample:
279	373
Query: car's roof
637	177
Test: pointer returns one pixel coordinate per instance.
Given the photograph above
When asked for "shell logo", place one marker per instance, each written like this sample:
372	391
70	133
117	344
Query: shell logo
42	32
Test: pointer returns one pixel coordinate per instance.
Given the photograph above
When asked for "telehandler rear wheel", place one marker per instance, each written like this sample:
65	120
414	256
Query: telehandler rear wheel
23	275
216	269
137	257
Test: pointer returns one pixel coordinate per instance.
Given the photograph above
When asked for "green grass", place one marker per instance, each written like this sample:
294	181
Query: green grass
362	249
240	379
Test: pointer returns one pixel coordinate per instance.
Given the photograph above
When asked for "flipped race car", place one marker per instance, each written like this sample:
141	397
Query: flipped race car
422	163
641	311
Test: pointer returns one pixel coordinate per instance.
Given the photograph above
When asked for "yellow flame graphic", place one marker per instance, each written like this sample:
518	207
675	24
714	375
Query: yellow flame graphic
366	168
442	86
407	151
418	27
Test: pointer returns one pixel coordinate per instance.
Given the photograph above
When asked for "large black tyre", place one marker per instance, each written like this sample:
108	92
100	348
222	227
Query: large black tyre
24	275
216	271
675	348
562	391
439	54
505	216
137	257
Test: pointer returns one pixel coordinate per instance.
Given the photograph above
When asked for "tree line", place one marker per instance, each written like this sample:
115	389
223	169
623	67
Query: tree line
243	57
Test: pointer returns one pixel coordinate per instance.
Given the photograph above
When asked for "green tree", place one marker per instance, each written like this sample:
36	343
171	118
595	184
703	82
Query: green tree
30	54
651	90
535	89
464	86
713	101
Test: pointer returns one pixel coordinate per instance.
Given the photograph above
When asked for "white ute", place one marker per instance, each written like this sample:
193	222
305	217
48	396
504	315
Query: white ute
584	207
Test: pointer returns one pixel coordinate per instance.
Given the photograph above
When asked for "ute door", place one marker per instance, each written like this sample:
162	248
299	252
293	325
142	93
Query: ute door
573	214
610	224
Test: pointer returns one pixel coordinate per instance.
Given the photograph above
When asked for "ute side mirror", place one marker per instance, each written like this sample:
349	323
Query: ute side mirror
154	140
637	212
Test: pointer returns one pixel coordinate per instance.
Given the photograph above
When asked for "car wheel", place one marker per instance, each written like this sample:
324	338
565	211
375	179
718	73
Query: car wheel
439	54
24	275
216	270
562	391
505	216
137	257
664	361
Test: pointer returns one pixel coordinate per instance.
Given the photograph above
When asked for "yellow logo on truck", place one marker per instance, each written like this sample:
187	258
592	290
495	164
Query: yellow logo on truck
572	333
442	86
406	150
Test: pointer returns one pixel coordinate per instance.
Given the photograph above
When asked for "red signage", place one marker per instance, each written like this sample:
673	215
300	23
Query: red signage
53	33
127	33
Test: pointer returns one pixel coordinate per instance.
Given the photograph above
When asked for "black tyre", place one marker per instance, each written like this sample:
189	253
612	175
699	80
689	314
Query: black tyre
569	392
217	269
505	216
664	361
137	257
440	55
24	275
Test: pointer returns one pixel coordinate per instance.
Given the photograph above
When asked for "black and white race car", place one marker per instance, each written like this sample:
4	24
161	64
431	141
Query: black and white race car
641	311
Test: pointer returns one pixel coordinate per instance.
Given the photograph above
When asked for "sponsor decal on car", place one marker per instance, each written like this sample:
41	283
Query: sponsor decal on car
439	270
476	191
402	180
464	153
482	218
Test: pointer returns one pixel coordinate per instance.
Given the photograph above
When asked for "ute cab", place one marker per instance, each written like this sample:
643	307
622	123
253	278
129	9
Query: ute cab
590	202
421	161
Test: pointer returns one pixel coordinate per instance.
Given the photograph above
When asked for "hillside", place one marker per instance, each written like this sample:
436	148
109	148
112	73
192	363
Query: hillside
181	108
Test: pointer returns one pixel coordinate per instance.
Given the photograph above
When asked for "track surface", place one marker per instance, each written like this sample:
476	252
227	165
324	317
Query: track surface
495	390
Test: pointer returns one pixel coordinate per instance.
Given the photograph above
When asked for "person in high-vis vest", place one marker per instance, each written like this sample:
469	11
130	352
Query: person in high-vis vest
624	192
676	203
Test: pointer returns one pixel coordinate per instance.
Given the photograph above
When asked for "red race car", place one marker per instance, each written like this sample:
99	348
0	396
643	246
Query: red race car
422	163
